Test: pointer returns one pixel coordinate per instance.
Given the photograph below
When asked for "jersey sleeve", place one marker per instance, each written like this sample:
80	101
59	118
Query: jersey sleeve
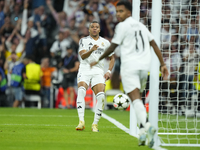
81	45
119	34
149	35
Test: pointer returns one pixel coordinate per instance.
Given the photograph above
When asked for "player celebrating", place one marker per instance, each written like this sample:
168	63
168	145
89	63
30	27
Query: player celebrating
135	41
90	49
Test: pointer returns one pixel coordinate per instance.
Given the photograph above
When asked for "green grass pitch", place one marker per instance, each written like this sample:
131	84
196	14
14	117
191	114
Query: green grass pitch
54	129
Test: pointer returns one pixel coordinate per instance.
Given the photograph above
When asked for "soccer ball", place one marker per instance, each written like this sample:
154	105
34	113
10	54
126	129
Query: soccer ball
121	101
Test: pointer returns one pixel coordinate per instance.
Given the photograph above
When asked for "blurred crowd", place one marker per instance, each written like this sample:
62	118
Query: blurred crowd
179	43
47	33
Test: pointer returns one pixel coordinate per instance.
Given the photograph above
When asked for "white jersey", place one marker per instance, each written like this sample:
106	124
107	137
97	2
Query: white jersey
87	43
133	38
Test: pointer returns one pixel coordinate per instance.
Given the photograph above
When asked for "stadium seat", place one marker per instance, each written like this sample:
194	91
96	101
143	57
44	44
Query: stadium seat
32	98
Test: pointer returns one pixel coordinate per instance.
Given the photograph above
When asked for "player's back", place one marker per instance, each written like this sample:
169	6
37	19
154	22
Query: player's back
134	44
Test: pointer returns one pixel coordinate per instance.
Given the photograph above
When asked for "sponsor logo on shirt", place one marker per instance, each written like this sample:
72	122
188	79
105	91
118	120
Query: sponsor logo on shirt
99	51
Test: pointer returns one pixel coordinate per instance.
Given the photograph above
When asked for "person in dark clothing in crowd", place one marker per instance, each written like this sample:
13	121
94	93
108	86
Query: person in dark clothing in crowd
70	69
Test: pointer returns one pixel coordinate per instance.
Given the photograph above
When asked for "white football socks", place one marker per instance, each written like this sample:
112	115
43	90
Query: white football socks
140	111
81	102
99	107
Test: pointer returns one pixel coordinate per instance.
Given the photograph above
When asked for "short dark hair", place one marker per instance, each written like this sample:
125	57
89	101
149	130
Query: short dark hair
126	3
30	57
14	53
69	47
94	22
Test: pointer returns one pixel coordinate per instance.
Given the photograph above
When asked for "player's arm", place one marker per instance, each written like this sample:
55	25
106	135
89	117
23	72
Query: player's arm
111	65
110	50
163	67
85	54
158	52
112	62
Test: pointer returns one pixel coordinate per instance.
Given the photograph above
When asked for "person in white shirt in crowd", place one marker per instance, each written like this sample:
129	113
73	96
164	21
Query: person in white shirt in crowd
175	62
17	39
58	49
166	33
190	61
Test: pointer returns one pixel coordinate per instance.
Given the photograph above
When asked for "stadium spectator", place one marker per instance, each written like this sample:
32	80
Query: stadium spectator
4	9
176	61
17	82
44	23
166	33
3	86
16	14
70	6
60	18
37	3
32	75
58	49
7	27
47	71
28	30
193	30
190	60
2	52
18	45
10	62
70	69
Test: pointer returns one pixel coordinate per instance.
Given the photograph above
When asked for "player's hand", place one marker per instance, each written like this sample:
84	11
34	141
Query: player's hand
165	72
107	76
93	64
48	2
65	70
94	47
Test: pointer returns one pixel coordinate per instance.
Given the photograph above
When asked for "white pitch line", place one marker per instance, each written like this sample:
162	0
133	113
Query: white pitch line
53	125
125	129
116	123
60	116
48	125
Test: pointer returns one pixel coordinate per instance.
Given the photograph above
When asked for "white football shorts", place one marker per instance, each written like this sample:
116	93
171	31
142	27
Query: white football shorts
92	79
132	79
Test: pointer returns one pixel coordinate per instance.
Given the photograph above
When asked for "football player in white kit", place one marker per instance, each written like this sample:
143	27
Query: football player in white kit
135	41
90	49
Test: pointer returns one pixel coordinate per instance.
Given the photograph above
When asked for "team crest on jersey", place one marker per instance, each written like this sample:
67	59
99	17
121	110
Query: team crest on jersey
102	44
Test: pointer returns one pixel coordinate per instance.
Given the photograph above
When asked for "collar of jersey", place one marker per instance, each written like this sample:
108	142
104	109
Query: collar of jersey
94	39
